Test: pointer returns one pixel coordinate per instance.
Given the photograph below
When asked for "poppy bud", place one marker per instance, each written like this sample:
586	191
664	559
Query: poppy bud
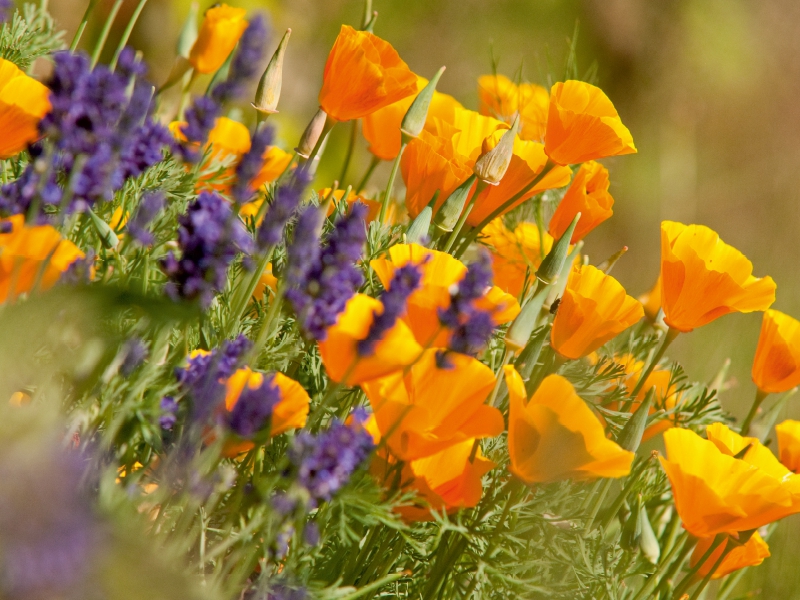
554	261
648	542
414	120
631	435
107	235
417	232
451	210
311	134
632	530
522	327
269	86
492	165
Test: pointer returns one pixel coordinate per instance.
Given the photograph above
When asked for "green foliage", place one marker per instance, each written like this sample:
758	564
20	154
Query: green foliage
31	34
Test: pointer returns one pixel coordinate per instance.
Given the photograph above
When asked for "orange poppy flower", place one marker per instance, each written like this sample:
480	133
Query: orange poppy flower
717	493
290	413
339	351
514	253
275	163
32	256
433	407
666	396
440	271
447	480
266	281
704	278
651	301
593	309
583	125
789	444
556	436
500	97
382	127
23	103
219	33
750	554
363	73
587	195
776	367
373	206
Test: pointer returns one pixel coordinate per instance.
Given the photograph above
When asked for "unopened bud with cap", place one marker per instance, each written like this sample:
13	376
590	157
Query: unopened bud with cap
269	86
554	261
310	137
416	115
492	165
631	435
417	232
451	209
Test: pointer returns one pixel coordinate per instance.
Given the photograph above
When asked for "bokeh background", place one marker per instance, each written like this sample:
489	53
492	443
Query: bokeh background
709	89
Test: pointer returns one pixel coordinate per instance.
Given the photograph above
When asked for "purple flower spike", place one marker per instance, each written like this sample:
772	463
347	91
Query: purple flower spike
254	407
246	63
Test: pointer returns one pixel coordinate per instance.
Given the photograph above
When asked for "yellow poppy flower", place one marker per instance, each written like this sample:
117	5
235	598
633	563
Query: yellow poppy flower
219	33
776	367
23	103
750	554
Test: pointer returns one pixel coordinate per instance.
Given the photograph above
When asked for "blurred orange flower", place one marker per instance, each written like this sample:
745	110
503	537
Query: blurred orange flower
750	554
434	406
266	281
717	493
32	257
373	206
588	195
583	125
23	103
501	98
776	367
382	127
290	413
447	480
514	253
440	271
704	278
556	436
789	444
593	309
339	351
219	33
363	73
651	301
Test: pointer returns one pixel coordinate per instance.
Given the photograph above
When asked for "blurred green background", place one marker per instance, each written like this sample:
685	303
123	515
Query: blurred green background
709	89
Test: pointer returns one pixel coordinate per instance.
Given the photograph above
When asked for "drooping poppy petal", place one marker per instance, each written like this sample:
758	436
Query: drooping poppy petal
776	367
588	195
789	444
750	554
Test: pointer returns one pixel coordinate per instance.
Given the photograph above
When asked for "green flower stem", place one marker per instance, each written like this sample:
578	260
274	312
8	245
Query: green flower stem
374	586
387	197
469	238
689	579
101	41
127	33
676	566
351	145
665	567
464	214
668	339
82	26
266	326
748	420
373	164
599	498
243	294
623	495
707	578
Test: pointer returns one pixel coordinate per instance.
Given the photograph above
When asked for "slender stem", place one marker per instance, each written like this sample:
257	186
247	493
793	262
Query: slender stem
707	578
463	217
351	145
101	41
266	326
598	502
243	294
653	580
370	170
82	26
390	184
540	228
748	420
688	579
688	546
127	33
502	209
668	339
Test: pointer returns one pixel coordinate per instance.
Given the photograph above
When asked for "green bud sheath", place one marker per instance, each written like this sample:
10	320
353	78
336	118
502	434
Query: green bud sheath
631	435
107	235
491	167
417	232
269	86
452	208
417	113
554	261
311	134
520	331
648	542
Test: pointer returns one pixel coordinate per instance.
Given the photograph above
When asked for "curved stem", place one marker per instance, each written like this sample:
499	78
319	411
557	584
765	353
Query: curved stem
668	339
82	26
688	579
127	33
101	41
387	196
664	567
748	420
463	217
707	578
351	145
370	170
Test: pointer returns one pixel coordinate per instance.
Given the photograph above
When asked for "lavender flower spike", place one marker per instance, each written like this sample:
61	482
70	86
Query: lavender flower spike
250	165
404	282
254	408
246	63
287	199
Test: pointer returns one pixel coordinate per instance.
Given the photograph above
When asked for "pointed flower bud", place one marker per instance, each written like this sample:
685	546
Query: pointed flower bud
554	261
417	113
107	235
648	542
269	86
631	435
311	135
632	530
417	232
188	33
492	165
520	331
452	208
